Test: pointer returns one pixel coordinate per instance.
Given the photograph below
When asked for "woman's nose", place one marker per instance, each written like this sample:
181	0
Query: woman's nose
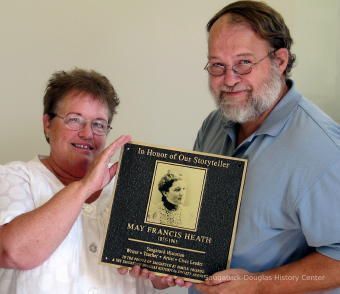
86	131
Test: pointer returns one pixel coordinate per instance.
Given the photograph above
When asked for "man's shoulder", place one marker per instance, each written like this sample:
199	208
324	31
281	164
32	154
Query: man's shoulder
214	120
316	123
210	135
214	116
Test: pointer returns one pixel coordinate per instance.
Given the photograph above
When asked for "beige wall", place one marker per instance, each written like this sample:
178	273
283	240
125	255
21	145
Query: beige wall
153	51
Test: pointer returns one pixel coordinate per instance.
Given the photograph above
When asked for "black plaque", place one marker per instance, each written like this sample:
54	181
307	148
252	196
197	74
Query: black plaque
193	236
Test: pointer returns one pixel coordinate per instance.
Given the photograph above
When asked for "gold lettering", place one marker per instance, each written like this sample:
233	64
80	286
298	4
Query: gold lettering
197	238
134	227
153	153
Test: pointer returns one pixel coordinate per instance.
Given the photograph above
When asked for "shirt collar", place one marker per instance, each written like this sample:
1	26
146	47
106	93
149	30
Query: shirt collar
278	117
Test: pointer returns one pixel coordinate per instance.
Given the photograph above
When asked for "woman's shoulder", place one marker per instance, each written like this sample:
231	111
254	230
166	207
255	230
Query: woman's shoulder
30	172
188	216
15	168
21	168
154	212
16	195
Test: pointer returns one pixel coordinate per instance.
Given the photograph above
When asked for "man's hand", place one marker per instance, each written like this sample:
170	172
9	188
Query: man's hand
314	272
159	282
230	281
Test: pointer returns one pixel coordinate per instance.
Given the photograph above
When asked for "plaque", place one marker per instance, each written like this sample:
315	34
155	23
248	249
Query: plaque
174	211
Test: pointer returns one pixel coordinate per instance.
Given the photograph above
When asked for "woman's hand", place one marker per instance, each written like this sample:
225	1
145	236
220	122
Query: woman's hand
158	282
99	173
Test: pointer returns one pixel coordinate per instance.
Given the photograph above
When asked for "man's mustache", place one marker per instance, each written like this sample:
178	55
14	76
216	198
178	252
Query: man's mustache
236	88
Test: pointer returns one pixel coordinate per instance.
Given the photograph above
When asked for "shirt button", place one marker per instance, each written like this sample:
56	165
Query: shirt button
88	208
93	247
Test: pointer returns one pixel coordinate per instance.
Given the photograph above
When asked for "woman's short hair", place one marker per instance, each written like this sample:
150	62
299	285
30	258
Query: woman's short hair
264	20
167	180
88	81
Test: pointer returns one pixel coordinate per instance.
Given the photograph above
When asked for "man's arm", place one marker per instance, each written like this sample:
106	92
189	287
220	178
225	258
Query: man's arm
314	272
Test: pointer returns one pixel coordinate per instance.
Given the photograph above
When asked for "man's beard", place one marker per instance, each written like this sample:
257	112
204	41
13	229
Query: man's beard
257	102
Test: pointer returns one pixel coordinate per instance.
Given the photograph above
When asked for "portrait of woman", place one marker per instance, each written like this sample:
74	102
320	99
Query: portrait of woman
169	211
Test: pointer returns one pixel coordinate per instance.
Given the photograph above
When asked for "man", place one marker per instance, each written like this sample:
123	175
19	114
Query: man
288	236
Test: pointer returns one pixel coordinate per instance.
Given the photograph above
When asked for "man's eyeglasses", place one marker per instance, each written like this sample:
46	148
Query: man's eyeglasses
242	68
76	122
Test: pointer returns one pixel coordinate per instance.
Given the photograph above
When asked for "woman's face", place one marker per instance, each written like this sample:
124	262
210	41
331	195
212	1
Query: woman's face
72	151
176	192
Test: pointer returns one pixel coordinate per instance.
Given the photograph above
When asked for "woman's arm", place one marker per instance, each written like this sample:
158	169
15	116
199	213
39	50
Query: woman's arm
29	239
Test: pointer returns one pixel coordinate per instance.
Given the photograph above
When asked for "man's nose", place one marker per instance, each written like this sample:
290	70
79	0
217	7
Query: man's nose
231	78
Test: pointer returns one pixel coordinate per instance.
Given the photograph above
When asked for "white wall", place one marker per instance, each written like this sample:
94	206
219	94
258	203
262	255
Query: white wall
153	51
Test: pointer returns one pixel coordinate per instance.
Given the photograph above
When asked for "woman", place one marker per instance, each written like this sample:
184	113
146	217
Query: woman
170	210
54	208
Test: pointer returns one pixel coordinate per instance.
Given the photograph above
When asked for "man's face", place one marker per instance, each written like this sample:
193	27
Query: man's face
242	98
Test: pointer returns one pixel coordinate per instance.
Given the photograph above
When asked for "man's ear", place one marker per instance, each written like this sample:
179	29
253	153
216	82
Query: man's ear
281	59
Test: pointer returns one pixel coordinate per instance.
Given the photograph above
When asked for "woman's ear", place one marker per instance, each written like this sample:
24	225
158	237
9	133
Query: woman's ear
47	126
281	59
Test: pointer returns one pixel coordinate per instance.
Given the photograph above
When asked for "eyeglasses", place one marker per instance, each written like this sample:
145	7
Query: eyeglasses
76	122
242	68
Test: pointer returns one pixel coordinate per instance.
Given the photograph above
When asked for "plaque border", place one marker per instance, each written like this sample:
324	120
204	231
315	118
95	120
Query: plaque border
233	235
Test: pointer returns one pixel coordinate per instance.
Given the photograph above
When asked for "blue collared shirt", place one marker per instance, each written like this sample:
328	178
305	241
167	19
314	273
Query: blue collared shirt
291	200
